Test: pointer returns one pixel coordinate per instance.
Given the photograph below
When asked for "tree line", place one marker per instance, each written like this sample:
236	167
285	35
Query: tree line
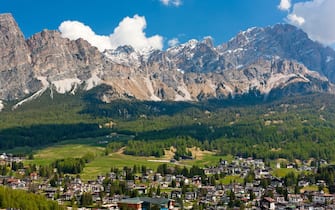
18	199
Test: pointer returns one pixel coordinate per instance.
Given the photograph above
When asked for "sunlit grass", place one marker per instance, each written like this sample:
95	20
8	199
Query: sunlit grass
48	155
282	172
231	179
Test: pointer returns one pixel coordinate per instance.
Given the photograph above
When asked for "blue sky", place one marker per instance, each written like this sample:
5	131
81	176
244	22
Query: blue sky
165	20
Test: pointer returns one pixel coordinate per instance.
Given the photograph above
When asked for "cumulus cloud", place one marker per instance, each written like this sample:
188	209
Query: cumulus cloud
173	42
175	3
284	5
316	18
295	20
130	31
75	30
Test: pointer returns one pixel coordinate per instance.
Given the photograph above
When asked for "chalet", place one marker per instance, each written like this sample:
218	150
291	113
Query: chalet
50	192
176	194
142	189
158	177
139	203
190	196
268	203
130	203
168	178
224	162
292	165
257	191
322	198
96	197
280	199
67	196
33	176
276	182
111	206
210	197
96	188
164	184
212	170
179	178
130	184
196	180
112	176
295	199
261	173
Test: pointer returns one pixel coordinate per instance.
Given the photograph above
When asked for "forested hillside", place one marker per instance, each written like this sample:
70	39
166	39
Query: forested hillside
18	199
297	127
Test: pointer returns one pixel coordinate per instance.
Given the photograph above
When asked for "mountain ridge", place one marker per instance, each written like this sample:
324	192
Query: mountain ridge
258	60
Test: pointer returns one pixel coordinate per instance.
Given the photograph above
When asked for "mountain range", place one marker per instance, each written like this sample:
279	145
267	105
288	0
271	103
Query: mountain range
275	60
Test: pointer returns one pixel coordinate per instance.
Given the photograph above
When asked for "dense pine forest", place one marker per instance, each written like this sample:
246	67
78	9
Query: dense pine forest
18	199
299	127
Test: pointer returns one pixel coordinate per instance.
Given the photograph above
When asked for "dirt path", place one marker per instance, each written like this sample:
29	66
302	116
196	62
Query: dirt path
121	150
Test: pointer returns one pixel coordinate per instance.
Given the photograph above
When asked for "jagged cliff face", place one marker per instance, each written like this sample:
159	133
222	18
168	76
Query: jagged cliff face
281	41
259	60
16	77
64	64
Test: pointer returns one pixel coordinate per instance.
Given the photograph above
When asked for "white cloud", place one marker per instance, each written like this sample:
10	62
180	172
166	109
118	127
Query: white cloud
284	5
295	20
316	18
173	42
175	3
130	31
75	30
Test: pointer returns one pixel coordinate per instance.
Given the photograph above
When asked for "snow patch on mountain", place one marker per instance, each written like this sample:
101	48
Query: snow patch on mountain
31	98
181	71
67	85
36	95
92	82
240	66
329	59
124	55
1	106
188	46
150	88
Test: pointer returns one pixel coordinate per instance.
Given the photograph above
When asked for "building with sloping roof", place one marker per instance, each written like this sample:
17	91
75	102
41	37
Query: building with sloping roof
146	203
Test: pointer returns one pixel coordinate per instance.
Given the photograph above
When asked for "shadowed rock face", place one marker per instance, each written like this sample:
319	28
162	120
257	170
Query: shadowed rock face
260	59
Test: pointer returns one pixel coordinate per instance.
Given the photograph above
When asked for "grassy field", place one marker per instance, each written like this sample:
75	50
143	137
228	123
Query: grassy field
231	179
282	172
103	164
207	159
72	148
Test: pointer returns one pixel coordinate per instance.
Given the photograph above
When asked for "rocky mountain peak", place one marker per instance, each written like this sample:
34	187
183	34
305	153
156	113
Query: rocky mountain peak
279	58
16	76
208	41
12	43
281	41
